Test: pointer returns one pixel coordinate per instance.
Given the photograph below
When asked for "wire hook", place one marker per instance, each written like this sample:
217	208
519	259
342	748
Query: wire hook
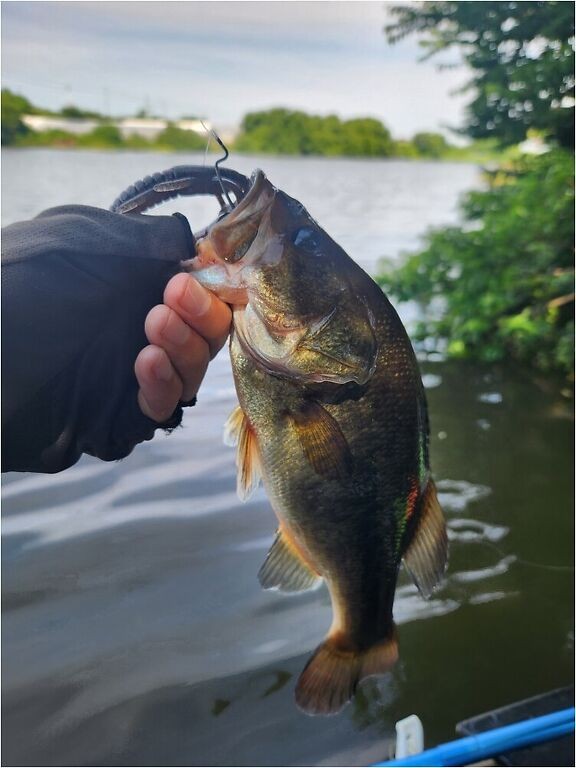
217	138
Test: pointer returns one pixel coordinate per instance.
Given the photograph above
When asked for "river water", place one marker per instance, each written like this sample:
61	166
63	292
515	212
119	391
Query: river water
134	629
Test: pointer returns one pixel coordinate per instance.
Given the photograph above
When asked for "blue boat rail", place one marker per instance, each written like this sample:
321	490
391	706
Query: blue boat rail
480	746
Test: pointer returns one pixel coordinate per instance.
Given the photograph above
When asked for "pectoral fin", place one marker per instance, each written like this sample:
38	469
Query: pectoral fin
239	432
285	569
322	441
427	554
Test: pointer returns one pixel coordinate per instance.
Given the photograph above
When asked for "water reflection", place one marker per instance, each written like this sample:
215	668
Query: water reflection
490	397
466	530
457	495
499	568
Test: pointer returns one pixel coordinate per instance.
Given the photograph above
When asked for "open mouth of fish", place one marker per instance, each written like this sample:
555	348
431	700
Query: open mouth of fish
224	253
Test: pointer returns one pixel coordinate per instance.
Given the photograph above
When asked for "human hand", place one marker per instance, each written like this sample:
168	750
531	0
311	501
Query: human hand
83	291
185	333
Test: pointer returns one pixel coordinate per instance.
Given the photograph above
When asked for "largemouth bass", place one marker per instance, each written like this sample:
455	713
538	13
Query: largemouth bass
333	419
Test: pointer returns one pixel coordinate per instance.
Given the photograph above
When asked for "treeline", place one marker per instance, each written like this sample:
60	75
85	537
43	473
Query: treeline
293	132
107	136
104	136
289	132
276	131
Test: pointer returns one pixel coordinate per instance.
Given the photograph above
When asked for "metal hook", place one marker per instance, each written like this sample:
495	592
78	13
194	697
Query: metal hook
217	138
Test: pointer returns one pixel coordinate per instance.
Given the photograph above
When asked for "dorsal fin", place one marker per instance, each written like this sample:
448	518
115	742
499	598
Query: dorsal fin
239	432
427	554
285	569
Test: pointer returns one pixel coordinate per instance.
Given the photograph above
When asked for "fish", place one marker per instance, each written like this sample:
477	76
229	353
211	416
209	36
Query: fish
332	418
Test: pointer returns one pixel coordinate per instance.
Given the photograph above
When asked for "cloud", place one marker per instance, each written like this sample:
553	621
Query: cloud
222	59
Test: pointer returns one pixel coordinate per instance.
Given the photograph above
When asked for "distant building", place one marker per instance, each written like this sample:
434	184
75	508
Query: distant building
151	127
40	123
147	127
194	125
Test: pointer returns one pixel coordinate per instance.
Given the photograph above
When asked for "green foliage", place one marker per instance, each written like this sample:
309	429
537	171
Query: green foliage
482	151
430	144
287	132
182	141
521	55
277	131
403	148
13	107
507	277
52	138
79	114
102	137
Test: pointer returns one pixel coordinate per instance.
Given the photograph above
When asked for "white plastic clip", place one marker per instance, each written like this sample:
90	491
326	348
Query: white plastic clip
409	736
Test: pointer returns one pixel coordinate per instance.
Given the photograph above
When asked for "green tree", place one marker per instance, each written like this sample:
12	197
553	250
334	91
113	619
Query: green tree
291	132
430	144
13	107
76	113
366	137
102	137
185	141
522	59
508	277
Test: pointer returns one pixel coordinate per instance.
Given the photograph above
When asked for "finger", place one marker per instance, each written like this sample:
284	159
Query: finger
200	309
160	386
187	350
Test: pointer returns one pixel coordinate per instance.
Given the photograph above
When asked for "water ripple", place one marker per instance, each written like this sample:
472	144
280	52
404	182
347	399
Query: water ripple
480	574
491	597
456	495
466	530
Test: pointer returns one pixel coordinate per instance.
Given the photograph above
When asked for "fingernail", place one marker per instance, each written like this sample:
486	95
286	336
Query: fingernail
163	369
196	300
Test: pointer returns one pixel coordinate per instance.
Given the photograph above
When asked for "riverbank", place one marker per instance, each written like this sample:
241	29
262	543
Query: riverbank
174	142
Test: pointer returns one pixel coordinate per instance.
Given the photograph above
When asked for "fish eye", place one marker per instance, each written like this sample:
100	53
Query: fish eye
306	237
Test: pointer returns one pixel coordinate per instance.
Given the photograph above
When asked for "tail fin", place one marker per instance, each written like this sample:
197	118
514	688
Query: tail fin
331	675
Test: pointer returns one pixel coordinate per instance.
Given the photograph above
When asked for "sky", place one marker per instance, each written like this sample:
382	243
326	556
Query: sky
220	60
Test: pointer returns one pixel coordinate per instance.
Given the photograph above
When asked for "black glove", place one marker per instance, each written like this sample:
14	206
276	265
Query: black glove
77	284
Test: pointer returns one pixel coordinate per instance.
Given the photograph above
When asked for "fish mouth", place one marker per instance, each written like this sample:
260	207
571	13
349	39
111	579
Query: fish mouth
254	187
220	264
256	184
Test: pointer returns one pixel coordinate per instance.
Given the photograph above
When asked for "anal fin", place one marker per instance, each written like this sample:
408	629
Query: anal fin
238	431
285	569
427	554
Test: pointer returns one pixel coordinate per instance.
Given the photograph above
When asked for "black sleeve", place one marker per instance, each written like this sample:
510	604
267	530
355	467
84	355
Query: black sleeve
77	284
